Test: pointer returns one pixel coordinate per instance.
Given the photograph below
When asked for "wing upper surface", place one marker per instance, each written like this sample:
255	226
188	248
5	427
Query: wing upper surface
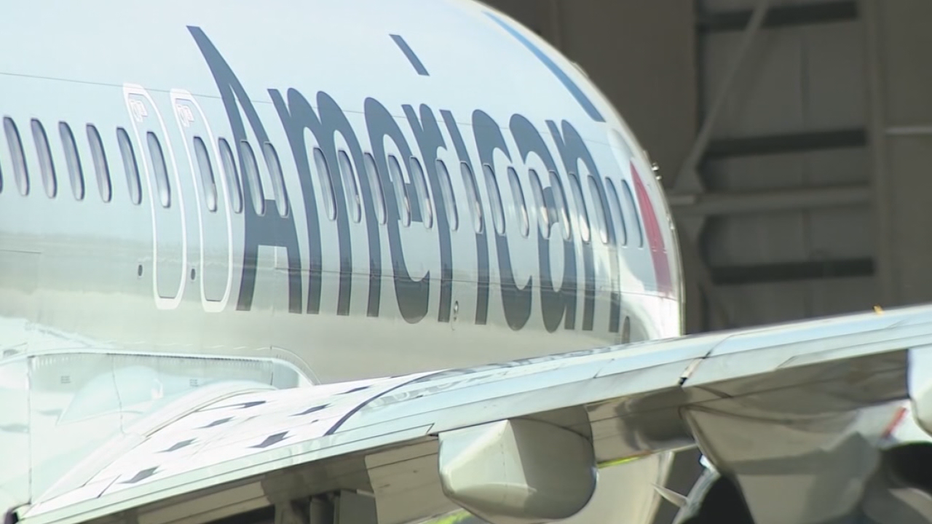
365	435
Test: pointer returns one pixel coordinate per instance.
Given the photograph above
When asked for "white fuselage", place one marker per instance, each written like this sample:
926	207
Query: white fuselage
352	281
288	193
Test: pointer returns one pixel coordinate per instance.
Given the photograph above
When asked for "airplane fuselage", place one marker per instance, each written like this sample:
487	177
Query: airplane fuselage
202	199
351	198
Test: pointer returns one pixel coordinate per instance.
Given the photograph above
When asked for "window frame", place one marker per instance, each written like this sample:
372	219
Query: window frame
614	203
348	175
206	170
473	197
543	212
449	198
72	161
375	186
600	206
522	213
632	201
159	169
326	183
44	154
18	155
101	167
402	199
562	205
232	175
423	193
251	174
495	199
130	166
583	223
274	165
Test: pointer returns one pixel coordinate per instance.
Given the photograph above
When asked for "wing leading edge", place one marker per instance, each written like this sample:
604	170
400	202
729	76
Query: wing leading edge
795	391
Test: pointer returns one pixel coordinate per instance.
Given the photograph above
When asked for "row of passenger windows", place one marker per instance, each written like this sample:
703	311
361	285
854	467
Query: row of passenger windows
413	199
607	204
47	170
157	163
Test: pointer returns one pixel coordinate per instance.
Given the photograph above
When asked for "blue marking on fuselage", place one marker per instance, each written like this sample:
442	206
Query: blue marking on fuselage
409	54
553	67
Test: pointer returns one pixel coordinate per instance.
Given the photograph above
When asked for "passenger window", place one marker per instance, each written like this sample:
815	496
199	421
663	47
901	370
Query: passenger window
472	195
101	168
159	169
326	187
449	200
615	204
520	204
231	176
73	160
278	178
599	207
543	214
208	183
45	159
350	189
251	170
633	211
375	185
130	165
20	172
401	192
559	200
582	213
495	199
420	185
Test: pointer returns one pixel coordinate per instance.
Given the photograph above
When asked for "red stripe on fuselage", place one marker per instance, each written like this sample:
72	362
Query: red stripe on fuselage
658	251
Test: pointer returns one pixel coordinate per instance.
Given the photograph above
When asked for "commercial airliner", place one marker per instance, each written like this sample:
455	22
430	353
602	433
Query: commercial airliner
368	262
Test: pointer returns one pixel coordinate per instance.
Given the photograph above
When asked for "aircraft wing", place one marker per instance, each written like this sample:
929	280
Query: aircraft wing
517	440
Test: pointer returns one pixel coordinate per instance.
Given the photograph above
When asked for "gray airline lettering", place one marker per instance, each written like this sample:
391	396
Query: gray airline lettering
482	245
430	140
573	150
296	116
556	305
516	301
269	228
570	154
263	227
412	295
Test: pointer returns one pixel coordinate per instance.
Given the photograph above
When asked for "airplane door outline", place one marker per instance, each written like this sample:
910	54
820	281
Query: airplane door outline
180	100
136	99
